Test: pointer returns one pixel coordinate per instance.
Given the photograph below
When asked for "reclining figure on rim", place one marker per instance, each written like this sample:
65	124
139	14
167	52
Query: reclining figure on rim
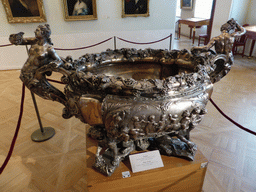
223	44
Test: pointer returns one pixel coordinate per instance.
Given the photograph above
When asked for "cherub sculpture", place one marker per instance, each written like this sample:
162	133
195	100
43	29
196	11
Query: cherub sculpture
224	42
40	54
222	57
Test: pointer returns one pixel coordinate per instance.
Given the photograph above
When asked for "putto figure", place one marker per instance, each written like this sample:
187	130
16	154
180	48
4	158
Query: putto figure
133	99
41	53
223	43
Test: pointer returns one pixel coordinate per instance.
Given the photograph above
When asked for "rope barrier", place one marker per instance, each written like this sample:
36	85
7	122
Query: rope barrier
16	131
144	43
79	48
5	45
60	49
231	120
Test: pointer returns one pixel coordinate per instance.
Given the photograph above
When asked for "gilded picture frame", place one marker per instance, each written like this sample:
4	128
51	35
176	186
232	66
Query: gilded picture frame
135	8
24	11
76	10
186	4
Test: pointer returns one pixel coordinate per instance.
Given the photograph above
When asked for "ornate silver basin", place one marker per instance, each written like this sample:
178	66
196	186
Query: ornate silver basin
133	99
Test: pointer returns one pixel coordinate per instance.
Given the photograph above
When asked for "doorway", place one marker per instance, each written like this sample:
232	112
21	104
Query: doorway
201	9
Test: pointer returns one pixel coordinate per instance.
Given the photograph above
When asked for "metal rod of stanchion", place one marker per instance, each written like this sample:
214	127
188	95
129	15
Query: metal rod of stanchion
37	112
27	49
176	32
170	46
44	133
114	42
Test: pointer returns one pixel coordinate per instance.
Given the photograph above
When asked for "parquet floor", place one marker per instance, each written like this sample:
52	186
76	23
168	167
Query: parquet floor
58	165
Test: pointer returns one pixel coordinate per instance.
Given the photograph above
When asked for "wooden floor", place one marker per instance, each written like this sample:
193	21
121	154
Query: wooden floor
58	164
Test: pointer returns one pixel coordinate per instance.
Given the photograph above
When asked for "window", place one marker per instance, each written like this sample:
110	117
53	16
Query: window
203	9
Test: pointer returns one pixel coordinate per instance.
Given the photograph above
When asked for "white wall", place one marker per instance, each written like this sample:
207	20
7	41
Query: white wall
109	18
244	12
70	34
239	10
221	15
251	13
251	19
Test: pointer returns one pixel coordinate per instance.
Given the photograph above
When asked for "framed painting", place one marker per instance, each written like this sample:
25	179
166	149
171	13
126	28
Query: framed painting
80	10
135	8
24	11
186	4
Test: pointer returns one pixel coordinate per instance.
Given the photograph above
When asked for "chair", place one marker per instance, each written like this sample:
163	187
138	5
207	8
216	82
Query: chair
191	28
202	36
239	42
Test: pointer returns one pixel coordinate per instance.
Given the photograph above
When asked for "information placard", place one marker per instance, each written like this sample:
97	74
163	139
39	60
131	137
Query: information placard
146	161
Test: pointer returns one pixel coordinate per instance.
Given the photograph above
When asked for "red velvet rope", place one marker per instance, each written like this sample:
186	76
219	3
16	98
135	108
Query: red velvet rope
5	45
16	131
60	49
144	43
231	120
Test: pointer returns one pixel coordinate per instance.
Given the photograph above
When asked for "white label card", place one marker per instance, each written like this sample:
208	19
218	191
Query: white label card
146	161
126	174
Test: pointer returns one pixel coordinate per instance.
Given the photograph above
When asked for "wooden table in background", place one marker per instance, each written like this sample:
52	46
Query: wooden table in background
251	34
193	22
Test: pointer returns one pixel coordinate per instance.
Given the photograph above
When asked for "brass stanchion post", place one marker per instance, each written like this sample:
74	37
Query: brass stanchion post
114	42
170	46
44	133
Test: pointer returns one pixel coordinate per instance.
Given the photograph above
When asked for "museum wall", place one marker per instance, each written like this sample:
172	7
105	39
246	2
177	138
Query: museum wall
239	10
251	17
244	12
221	15
71	34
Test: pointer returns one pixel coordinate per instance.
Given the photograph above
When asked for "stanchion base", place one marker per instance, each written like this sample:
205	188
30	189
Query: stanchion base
38	136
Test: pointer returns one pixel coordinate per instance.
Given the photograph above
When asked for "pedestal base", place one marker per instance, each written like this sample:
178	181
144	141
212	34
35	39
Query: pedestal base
38	136
177	175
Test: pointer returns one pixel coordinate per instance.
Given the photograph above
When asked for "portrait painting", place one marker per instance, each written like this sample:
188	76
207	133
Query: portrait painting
135	8
80	10
24	11
186	4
